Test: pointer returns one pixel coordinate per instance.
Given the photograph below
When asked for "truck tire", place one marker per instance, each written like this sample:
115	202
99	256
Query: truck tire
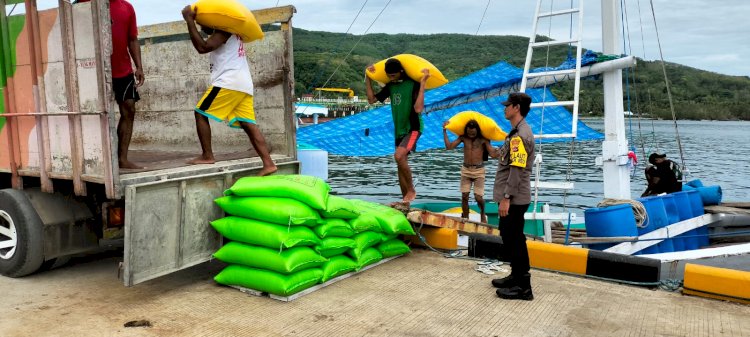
21	235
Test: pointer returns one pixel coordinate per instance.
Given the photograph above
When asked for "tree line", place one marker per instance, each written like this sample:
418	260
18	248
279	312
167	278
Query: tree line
696	94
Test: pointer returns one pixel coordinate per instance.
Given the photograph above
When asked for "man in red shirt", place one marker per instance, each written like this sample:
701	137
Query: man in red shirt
124	80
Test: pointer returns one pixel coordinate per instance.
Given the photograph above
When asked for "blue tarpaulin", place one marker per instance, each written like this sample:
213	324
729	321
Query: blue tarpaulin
370	133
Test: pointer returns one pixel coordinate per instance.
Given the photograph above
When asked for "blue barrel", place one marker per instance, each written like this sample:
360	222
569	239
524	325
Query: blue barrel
711	195
656	218
685	211
696	204
674	217
609	221
694	183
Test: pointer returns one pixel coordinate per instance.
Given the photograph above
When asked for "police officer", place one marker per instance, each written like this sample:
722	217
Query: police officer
512	192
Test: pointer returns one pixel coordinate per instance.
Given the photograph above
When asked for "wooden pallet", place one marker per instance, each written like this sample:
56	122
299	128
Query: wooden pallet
311	289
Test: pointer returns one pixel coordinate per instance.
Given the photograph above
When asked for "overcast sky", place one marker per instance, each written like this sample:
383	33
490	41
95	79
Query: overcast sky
709	35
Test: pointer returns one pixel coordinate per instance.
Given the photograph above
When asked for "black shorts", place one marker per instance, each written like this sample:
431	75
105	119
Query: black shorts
408	141
124	89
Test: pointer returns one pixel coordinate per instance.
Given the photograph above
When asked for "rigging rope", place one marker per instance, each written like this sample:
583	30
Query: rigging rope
335	49
355	44
538	158
669	91
638	210
483	14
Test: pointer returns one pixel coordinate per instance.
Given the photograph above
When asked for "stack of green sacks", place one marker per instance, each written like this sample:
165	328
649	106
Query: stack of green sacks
288	234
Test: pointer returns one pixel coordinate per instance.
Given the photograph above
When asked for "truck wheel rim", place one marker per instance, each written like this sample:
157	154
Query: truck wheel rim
8	237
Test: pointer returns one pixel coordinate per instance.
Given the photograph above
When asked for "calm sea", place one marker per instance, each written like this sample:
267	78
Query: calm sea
715	152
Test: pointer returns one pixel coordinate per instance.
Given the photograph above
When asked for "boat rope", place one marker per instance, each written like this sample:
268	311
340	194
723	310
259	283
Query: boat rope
335	50
356	43
483	14
653	127
626	50
669	91
638	210
628	73
451	253
538	157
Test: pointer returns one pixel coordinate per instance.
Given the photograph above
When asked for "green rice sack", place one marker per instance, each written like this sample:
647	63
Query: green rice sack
393	248
363	241
365	222
334	246
337	266
269	281
368	257
339	208
282	211
285	262
264	234
334	227
310	190
391	221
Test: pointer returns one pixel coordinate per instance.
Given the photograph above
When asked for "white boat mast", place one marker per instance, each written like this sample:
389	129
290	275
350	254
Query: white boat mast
615	145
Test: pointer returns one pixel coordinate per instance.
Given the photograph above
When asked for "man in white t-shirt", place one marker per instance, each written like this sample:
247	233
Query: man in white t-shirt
230	96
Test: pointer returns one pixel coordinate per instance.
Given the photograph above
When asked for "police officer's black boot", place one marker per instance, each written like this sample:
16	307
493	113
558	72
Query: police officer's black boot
520	291
505	282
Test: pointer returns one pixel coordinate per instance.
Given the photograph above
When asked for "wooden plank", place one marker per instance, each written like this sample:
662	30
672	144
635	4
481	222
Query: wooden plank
313	288
72	97
670	231
605	239
736	204
439	220
721	209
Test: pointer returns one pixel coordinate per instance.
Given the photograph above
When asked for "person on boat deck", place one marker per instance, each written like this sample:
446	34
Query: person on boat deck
512	191
476	150
407	104
230	96
663	175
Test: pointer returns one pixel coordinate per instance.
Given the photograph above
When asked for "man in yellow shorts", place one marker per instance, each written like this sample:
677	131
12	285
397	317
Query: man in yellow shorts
230	96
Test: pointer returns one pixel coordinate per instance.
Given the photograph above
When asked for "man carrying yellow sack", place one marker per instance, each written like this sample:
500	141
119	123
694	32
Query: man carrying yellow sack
407	103
512	192
230	96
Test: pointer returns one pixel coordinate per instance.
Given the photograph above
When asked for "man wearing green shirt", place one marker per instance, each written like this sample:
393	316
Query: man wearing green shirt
407	103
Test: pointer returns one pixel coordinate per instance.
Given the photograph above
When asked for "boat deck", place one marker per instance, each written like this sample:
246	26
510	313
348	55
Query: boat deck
420	294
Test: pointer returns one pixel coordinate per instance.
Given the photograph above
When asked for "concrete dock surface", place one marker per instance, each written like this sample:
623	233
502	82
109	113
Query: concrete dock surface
420	294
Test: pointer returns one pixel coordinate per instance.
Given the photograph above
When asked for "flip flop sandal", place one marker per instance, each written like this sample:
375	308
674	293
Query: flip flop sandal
496	268
487	262
485	270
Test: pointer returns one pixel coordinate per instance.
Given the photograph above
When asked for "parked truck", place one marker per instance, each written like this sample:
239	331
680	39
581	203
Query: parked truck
61	191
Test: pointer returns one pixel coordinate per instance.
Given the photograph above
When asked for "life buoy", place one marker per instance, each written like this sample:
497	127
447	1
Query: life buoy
488	126
413	66
230	16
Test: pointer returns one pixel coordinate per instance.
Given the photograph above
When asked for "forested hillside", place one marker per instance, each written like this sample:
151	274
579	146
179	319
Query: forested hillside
319	58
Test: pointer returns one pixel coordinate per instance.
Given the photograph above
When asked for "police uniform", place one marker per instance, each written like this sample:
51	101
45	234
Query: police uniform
513	180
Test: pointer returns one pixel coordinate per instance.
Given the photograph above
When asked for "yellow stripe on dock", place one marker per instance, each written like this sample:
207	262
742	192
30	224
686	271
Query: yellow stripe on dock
557	257
717	283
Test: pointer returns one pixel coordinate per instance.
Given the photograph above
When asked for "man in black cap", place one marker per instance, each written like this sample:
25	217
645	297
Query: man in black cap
407	103
663	175
512	192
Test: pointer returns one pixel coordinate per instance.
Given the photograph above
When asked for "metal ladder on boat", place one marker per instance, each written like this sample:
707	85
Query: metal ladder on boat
537	79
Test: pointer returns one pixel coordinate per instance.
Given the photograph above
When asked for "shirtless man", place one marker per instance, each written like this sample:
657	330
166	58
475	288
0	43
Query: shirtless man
476	150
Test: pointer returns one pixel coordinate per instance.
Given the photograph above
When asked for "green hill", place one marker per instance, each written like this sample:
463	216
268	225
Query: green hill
698	94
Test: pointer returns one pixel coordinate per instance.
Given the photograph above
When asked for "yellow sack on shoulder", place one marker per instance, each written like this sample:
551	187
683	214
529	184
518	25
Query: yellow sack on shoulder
490	129
228	15
413	66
